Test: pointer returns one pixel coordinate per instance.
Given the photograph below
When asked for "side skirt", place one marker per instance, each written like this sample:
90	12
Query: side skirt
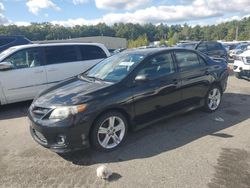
182	111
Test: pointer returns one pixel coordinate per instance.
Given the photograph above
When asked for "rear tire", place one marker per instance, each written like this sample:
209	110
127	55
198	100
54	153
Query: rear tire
109	131
213	99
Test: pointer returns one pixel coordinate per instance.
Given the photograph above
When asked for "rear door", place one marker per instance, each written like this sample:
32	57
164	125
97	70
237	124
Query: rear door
61	62
194	75
67	61
27	78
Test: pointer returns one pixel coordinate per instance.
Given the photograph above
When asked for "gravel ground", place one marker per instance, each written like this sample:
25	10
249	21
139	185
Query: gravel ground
192	150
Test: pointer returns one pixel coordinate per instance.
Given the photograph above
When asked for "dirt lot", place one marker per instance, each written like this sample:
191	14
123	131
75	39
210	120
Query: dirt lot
193	150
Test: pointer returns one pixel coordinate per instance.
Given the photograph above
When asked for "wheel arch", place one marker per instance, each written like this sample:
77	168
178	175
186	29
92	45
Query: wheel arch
112	109
218	84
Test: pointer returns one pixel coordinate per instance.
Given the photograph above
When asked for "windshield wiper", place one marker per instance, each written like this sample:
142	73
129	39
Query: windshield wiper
92	77
95	78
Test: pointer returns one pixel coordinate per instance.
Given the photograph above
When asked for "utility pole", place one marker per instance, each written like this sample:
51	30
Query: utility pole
236	33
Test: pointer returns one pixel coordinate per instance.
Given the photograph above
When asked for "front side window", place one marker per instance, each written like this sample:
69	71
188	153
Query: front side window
187	60
60	54
25	58
115	68
90	52
159	66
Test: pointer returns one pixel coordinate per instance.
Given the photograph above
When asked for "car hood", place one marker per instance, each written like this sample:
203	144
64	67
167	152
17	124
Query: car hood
245	53
70	92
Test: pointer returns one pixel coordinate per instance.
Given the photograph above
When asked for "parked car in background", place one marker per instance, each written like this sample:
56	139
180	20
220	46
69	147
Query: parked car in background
238	50
242	64
27	69
128	90
119	50
189	45
230	46
9	41
213	49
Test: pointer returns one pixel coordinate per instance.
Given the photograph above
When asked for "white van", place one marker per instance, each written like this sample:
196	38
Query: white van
27	69
242	64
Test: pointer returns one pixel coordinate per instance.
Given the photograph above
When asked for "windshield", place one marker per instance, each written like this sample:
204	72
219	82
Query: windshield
115	68
241	46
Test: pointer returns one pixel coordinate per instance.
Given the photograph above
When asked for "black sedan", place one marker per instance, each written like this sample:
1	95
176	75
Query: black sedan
126	91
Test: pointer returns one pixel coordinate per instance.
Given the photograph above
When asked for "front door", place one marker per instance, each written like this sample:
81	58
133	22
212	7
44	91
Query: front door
156	97
26	79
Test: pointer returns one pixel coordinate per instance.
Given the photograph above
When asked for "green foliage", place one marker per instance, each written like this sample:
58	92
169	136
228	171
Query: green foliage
162	42
173	40
140	41
135	33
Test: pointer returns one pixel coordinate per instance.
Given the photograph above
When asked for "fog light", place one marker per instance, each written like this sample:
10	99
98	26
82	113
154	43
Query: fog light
61	140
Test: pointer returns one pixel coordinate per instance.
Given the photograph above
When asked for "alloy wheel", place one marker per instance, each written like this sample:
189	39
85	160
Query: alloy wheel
214	98
111	132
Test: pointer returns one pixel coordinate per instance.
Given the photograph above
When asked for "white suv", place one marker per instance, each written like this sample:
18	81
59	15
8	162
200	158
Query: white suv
242	64
25	70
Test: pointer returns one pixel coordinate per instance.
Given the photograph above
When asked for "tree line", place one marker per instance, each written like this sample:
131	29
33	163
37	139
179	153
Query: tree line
134	32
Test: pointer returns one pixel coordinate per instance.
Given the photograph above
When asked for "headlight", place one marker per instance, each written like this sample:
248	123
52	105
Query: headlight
66	111
245	60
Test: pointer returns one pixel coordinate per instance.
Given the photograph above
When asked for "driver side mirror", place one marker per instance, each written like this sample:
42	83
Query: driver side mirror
6	66
141	78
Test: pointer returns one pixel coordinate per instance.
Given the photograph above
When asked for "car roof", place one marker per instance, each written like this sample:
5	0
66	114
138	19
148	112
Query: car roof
151	51
53	44
12	36
188	43
14	49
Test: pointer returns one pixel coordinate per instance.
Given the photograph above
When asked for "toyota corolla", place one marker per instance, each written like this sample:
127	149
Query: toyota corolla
124	92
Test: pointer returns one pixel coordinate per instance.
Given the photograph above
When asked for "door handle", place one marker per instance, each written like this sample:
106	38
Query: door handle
52	70
38	71
175	81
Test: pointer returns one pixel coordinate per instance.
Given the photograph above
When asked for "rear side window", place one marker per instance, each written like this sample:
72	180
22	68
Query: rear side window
90	52
202	61
5	41
60	54
202	47
187	60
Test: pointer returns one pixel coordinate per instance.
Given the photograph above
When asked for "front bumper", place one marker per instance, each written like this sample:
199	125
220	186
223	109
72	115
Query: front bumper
60	139
241	68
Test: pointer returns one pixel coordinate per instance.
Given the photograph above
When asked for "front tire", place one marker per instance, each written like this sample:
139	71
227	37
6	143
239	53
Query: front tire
213	99
109	131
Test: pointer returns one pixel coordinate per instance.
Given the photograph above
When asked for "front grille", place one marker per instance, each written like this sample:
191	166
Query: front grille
40	136
238	58
40	112
248	60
